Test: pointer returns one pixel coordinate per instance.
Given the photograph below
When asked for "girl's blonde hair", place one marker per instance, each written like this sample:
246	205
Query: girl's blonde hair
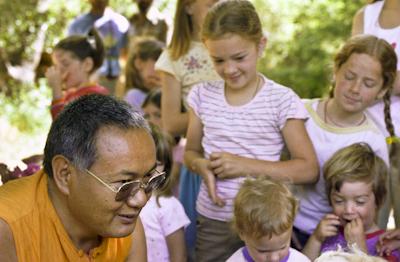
143	48
183	29
356	162
263	207
232	17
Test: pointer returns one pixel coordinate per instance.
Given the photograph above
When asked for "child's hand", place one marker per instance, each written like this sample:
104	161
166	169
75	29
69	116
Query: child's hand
388	242
226	165
354	233
208	176
55	81
327	227
155	81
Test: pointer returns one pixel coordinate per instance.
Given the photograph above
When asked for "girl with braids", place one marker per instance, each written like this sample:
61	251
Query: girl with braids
364	71
381	18
75	58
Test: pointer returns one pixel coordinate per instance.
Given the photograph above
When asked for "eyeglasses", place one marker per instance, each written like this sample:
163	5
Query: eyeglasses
132	187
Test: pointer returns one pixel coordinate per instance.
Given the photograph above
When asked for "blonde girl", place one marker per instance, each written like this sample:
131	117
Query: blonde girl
184	63
381	18
239	125
364	70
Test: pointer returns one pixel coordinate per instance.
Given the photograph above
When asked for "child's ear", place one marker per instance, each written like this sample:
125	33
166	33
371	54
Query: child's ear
88	64
261	46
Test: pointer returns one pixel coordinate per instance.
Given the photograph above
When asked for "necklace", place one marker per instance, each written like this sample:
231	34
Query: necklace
257	86
327	119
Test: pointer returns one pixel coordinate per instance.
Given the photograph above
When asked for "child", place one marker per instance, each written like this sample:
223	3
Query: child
364	70
75	58
356	188
152	112
239	125
381	18
163	216
264	212
185	63
140	75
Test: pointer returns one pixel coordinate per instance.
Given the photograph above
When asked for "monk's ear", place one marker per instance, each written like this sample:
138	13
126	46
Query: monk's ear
62	170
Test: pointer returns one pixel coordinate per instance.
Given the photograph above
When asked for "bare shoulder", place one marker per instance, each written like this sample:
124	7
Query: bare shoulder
7	246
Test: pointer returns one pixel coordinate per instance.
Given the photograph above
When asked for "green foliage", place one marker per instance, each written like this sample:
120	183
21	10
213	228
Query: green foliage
28	108
303	36
309	33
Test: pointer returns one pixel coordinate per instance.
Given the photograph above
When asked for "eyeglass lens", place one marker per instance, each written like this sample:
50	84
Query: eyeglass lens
132	188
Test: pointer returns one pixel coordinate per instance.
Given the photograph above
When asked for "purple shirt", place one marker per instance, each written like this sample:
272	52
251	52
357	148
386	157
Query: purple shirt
333	243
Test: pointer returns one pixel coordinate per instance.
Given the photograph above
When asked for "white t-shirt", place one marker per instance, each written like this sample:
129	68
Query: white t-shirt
294	256
372	27
327	139
192	68
159	222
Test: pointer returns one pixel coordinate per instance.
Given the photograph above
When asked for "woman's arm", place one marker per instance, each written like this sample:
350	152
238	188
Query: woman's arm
302	168
174	121
358	23
138	250
176	246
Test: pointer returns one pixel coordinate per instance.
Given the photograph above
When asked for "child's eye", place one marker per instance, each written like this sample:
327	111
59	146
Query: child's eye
337	201
239	58
349	76
218	61
360	203
369	83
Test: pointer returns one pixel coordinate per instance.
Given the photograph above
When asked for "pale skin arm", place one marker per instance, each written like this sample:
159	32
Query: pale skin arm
327	227
7	246
358	23
176	246
138	251
388	242
194	157
302	168
174	122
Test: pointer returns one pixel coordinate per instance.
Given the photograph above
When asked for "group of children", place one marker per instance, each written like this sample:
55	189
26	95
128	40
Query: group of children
237	122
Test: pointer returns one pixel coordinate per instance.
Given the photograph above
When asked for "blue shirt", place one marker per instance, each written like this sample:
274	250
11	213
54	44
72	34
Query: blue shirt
113	29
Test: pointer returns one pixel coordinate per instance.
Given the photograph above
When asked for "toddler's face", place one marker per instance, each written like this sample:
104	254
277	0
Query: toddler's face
266	249
153	114
355	200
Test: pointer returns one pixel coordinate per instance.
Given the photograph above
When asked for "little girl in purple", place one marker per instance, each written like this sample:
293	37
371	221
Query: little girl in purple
356	188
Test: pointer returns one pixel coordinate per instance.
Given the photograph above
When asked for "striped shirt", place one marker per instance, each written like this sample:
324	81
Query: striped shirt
252	130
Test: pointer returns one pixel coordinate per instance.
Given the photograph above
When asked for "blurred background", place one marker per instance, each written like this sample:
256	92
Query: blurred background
302	38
